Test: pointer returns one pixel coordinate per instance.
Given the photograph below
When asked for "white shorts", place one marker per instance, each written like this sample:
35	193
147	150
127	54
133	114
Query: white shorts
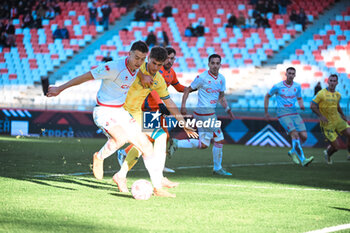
107	117
206	134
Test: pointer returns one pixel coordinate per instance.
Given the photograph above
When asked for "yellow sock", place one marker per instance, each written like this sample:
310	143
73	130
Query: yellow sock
132	157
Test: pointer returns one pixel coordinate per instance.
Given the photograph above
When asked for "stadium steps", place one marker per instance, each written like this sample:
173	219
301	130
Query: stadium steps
323	19
100	40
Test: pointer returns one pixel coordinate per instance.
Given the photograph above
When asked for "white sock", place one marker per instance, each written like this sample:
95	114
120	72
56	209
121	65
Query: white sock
160	150
108	149
188	143
154	171
217	156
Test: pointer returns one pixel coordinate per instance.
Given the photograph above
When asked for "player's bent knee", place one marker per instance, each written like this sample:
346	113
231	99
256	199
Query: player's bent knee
303	136
294	134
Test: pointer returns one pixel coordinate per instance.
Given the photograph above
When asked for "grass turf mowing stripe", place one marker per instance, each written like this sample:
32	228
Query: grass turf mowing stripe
331	229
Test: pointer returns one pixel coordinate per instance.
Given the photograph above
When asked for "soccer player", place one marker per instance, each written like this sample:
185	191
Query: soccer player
287	93
211	86
332	119
109	115
133	105
152	104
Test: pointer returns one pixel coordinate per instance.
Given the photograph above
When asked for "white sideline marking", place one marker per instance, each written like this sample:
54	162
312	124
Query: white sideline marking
331	229
268	187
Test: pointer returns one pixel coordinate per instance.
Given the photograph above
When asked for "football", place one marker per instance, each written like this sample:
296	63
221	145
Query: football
142	189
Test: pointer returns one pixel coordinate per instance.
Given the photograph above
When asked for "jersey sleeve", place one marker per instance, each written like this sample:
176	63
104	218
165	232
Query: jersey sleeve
197	82
175	83
156	97
318	98
162	88
273	90
105	71
223	85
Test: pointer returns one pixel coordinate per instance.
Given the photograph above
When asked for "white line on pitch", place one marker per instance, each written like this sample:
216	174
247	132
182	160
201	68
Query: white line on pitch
332	229
268	187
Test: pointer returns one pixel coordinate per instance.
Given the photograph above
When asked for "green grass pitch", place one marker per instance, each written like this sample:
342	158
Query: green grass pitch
46	185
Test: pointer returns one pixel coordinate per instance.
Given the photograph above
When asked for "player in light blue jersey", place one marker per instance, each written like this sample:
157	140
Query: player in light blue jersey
287	94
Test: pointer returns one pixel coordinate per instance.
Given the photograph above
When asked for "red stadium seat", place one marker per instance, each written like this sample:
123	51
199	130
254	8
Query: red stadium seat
12	76
318	74
235	71
99	58
305	85
299	52
54	56
307	67
248	61
341	70
4	71
330	64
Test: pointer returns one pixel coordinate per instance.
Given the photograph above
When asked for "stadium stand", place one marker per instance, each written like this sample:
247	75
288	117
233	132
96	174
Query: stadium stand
244	50
37	53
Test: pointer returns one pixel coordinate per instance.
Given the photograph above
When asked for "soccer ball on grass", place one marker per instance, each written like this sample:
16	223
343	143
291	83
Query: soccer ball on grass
141	189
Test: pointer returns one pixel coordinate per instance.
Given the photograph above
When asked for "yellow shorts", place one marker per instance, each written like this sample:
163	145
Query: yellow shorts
333	129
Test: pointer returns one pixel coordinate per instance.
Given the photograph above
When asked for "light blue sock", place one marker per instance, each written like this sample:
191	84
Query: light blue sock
293	146
296	144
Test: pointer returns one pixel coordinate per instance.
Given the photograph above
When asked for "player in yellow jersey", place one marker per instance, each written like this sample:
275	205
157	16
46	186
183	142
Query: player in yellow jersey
332	119
133	104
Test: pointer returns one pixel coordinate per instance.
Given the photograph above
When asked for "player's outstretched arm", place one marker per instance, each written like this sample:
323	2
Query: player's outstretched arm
187	91
55	91
162	108
176	113
224	104
301	103
314	107
266	106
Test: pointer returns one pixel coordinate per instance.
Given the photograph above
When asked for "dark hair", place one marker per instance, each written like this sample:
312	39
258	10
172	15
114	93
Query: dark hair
170	50
159	53
140	46
214	56
290	68
334	75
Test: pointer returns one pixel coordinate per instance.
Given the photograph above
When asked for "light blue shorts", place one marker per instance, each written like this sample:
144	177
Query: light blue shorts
292	122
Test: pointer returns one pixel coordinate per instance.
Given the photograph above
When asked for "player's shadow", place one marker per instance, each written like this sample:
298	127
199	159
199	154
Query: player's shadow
60	182
340	208
125	195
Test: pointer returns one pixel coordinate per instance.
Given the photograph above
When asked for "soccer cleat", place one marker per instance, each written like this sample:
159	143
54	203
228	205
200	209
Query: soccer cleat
221	172
169	184
162	193
327	157
172	147
168	170
307	161
293	156
121	155
121	183
97	167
